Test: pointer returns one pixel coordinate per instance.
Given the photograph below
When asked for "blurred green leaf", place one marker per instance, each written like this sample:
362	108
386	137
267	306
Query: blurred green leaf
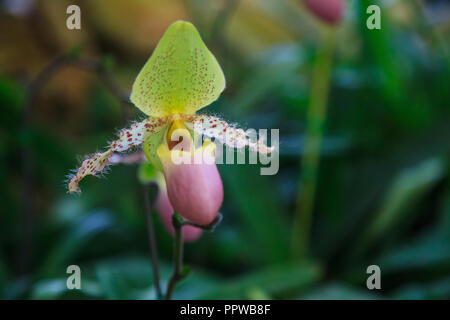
57	289
111	284
274	280
339	291
72	242
390	68
406	190
126	277
436	290
196	285
262	214
431	250
275	68
16	289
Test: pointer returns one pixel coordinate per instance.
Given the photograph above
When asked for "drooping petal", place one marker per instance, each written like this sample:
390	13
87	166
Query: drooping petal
91	166
182	75
128	138
226	133
194	187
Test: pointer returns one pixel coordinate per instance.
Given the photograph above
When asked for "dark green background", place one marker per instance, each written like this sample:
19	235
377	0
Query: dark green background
383	191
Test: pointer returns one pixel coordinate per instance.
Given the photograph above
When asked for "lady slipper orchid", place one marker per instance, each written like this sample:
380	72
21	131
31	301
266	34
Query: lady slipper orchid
181	77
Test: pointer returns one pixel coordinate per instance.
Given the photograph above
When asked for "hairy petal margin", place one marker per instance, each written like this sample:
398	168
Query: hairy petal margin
225	133
128	138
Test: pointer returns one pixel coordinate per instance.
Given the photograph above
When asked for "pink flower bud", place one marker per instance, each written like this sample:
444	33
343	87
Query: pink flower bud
329	11
193	182
165	209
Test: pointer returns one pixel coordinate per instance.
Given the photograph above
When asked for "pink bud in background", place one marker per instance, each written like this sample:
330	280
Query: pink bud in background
329	11
165	209
195	189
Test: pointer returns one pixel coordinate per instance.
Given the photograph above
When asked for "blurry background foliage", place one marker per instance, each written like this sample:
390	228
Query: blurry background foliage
383	191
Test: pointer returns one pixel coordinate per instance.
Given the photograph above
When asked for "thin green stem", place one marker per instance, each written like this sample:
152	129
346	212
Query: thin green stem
177	274
315	121
222	18
27	155
28	214
152	242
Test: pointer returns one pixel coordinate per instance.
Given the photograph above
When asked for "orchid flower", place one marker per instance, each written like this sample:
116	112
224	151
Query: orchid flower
181	77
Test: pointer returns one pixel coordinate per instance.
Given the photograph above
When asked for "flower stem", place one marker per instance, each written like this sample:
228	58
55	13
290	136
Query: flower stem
177	274
152	242
28	214
315	120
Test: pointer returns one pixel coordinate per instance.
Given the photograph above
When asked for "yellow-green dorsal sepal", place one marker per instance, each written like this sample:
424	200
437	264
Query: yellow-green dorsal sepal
182	75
